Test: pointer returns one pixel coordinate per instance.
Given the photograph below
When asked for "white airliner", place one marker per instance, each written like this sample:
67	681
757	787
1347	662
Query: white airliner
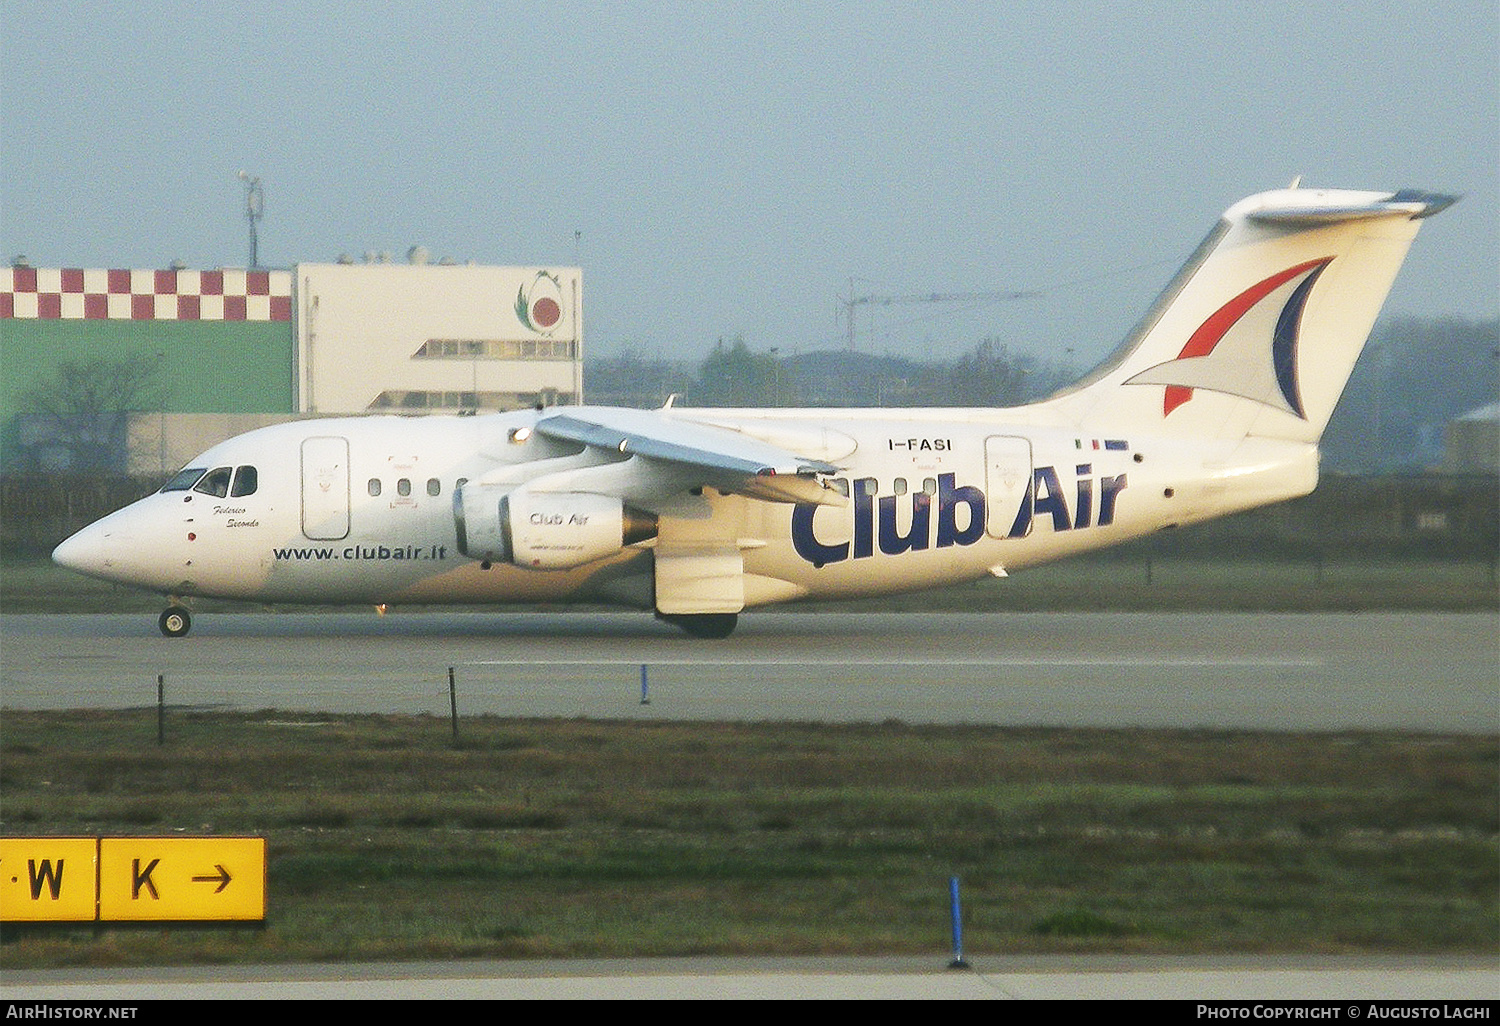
1214	404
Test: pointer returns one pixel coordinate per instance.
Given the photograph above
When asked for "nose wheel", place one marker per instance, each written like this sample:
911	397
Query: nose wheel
175	622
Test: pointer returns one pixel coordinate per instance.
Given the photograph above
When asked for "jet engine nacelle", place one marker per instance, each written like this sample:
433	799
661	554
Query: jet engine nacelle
559	530
545	530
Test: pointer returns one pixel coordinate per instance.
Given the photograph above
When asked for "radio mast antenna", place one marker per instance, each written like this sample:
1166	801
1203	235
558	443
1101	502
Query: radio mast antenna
255	209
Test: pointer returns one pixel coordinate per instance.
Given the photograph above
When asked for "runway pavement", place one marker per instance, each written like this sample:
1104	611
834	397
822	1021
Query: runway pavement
1435	672
1369	671
1371	983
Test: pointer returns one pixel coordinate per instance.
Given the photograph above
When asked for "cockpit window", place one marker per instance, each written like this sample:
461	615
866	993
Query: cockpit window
184	479
246	480
215	482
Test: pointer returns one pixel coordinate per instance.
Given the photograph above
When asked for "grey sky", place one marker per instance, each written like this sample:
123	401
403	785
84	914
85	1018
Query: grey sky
729	167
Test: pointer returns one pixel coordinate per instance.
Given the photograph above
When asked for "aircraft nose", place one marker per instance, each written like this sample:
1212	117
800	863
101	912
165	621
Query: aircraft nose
83	552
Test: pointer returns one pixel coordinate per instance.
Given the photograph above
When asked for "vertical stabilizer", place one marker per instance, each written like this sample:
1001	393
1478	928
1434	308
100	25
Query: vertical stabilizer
1259	331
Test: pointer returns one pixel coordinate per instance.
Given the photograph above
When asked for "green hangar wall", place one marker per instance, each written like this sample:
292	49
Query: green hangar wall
215	341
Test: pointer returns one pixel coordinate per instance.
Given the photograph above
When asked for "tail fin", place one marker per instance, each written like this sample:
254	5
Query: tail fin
1260	329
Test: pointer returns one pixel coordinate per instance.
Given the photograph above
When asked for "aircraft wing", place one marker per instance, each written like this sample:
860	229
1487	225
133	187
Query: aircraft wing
725	460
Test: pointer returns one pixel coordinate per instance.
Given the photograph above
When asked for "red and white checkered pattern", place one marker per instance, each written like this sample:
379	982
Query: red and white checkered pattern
51	293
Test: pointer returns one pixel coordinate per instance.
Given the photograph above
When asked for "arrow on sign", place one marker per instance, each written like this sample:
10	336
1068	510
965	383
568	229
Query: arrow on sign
223	878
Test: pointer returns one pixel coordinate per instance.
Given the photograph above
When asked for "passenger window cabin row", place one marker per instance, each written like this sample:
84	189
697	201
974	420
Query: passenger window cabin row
403	487
237	482
868	486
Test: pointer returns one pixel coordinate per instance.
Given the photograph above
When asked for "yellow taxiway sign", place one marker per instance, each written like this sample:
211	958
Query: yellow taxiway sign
132	879
49	879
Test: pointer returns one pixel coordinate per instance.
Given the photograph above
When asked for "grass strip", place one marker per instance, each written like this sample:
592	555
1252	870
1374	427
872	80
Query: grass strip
573	838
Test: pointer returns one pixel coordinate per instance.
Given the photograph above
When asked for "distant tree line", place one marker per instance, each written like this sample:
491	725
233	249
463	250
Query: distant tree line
1415	375
733	374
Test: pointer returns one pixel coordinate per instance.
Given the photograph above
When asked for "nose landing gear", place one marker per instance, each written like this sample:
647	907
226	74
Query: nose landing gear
175	621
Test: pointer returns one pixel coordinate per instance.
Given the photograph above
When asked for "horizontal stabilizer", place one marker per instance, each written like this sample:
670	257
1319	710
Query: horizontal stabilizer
1287	210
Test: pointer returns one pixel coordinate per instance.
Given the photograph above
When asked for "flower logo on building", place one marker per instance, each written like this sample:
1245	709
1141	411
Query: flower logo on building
539	303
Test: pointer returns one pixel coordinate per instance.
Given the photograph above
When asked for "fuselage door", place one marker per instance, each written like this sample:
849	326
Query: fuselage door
325	488
1007	482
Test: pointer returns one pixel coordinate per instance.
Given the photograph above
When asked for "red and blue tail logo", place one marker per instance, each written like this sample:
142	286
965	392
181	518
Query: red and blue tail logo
1248	348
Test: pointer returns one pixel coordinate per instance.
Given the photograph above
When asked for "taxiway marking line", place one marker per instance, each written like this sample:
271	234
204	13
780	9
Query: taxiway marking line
1185	663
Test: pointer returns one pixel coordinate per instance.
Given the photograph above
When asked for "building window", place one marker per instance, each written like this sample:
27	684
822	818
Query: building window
435	401
497	349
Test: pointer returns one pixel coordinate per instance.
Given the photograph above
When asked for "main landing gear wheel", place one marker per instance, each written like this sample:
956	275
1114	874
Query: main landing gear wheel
175	622
711	626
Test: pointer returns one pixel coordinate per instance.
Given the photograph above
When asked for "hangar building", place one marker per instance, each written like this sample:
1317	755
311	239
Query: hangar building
220	351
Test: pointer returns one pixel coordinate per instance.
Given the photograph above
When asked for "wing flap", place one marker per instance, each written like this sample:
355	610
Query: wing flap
725	460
